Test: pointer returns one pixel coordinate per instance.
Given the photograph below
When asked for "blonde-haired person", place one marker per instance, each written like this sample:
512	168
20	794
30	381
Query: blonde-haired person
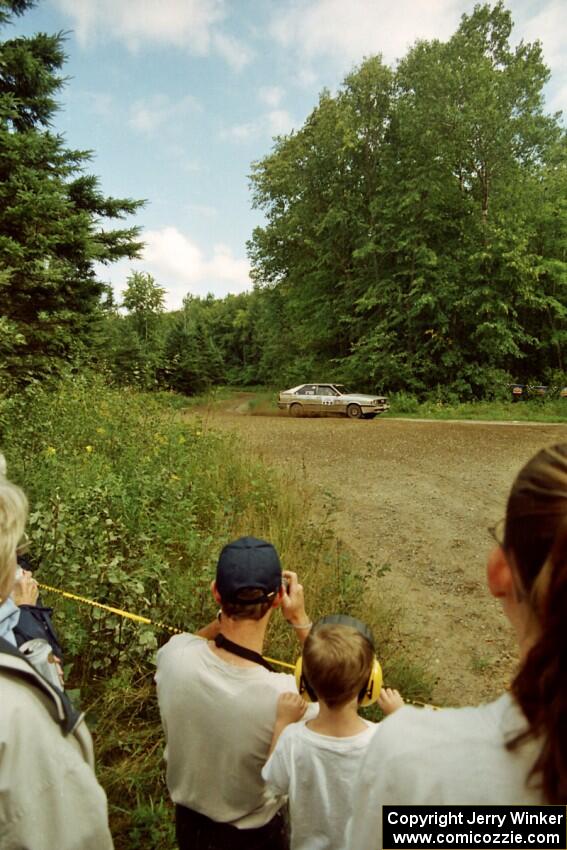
49	796
23	617
316	761
512	751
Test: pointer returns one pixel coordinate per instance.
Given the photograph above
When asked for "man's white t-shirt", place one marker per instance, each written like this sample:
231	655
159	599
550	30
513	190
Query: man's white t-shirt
317	772
218	720
456	756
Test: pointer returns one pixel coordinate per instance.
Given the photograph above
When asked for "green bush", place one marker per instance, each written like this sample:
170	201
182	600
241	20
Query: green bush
403	402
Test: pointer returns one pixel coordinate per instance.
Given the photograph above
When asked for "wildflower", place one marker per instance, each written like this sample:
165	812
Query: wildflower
89	449
51	450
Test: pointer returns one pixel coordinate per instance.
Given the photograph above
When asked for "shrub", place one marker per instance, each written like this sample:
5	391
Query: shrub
403	402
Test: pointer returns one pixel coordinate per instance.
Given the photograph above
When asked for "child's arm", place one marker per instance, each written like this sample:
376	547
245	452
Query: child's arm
390	700
291	708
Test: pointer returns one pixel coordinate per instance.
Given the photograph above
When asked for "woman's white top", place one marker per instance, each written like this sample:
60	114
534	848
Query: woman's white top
453	756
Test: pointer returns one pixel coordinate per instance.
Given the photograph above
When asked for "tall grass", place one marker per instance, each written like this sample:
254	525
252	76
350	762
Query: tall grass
531	410
130	506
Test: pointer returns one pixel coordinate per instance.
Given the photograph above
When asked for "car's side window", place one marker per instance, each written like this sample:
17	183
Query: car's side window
326	390
308	389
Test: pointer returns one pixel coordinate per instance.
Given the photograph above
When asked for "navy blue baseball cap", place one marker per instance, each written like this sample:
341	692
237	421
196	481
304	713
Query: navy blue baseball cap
248	563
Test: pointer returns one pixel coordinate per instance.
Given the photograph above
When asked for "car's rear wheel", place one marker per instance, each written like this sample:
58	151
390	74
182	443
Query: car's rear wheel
354	411
296	410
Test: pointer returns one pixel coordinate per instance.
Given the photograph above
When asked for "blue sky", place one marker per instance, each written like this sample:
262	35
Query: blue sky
176	98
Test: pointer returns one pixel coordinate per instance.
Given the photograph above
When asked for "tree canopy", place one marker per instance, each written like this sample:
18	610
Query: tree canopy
414	234
415	225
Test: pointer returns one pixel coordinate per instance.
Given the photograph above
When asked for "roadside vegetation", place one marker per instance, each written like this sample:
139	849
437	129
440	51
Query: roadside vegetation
532	410
261	401
130	504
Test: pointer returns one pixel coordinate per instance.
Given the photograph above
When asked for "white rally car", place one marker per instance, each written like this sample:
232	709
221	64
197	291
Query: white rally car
331	398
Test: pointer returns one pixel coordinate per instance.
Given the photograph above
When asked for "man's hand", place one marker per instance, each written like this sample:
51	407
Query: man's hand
390	700
25	590
293	604
291	708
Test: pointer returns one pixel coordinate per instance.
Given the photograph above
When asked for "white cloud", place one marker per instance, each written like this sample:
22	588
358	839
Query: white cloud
315	30
241	132
155	112
349	31
548	25
276	122
557	99
280	122
270	95
179	265
306	77
237	54
186	24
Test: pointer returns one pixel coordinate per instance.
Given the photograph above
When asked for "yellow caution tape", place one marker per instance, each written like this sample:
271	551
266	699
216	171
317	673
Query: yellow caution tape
137	618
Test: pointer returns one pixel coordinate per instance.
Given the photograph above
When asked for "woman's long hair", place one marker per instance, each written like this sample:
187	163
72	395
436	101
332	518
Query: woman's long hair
535	539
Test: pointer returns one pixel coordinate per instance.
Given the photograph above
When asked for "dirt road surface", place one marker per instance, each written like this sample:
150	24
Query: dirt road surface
416	496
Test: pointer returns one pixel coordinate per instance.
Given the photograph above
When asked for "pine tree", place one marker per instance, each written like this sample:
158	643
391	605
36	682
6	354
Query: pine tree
52	215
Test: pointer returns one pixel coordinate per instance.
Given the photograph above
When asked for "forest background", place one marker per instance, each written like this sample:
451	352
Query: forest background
414	241
414	236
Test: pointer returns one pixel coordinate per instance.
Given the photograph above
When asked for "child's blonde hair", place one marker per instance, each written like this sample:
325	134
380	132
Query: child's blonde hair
337	662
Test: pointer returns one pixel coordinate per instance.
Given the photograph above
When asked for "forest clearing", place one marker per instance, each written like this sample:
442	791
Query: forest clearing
416	498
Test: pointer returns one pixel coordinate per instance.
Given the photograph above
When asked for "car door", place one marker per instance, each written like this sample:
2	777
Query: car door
307	395
328	398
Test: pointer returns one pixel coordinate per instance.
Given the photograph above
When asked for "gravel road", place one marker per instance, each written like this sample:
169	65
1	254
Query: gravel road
416	496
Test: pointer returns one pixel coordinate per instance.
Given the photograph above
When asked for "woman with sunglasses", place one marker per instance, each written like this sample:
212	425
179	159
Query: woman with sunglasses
512	751
49	796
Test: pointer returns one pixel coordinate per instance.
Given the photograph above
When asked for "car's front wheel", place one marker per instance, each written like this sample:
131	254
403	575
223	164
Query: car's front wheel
296	410
354	411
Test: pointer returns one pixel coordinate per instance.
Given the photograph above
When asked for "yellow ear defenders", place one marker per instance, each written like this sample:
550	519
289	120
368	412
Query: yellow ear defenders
371	690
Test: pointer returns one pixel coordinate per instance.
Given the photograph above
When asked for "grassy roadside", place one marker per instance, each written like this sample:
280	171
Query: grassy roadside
534	410
261	401
130	505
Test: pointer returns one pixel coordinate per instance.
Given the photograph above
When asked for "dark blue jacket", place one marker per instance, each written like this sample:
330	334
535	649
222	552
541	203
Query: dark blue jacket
35	622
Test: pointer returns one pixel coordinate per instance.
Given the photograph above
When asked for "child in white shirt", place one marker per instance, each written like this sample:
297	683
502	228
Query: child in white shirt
315	762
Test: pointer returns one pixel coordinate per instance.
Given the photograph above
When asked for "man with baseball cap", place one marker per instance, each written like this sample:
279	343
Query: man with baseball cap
218	699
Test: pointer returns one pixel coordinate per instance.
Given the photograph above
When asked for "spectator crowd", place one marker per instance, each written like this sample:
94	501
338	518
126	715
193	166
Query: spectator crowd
262	760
